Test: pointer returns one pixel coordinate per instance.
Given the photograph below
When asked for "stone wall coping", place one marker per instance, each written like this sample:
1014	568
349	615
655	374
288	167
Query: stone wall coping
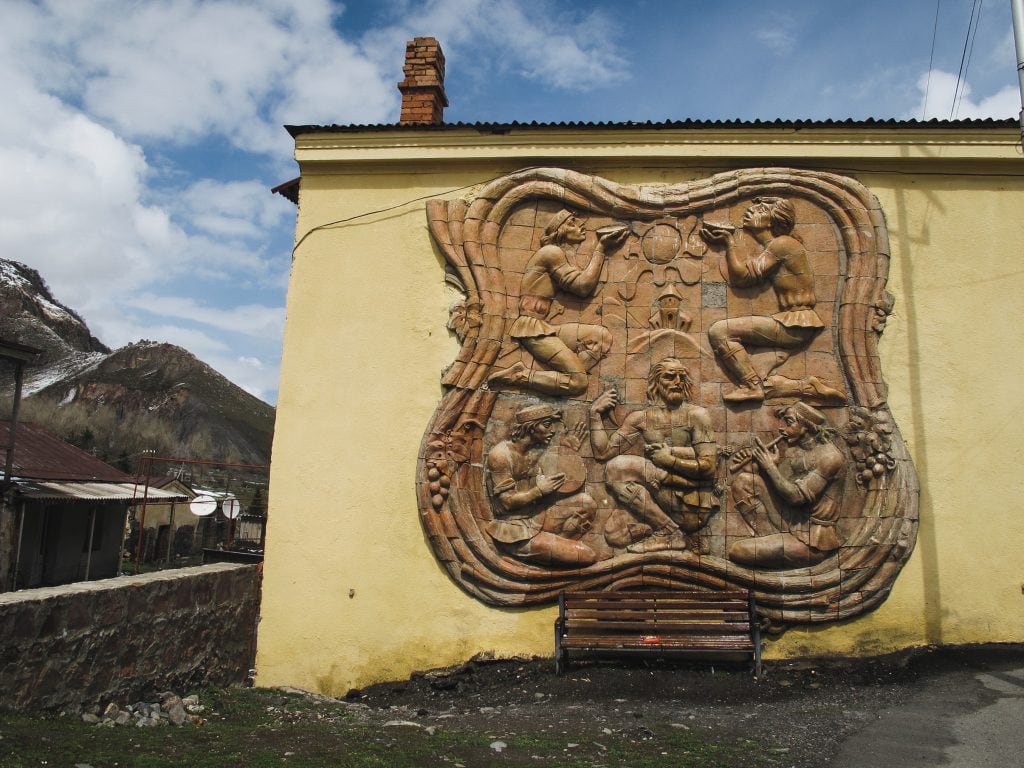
118	582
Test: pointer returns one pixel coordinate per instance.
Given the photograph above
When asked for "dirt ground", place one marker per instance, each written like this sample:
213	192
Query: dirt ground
899	711
795	714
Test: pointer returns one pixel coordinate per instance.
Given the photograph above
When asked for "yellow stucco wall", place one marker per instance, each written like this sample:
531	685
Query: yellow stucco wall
352	592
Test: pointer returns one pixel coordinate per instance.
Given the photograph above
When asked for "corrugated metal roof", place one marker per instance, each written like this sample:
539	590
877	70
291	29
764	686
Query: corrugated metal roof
80	491
38	455
289	190
298	130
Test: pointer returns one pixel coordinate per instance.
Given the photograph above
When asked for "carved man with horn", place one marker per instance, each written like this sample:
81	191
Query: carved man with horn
569	350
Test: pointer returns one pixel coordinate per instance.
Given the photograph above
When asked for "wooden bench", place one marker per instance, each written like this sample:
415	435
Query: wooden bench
701	624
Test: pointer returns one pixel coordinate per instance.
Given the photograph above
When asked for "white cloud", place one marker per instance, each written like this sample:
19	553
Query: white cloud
776	39
72	206
233	209
183	70
560	49
83	205
250	319
941	89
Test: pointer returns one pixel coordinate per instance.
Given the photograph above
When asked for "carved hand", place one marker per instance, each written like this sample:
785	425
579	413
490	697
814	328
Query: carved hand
550	483
614	239
765	456
576	525
740	457
712	234
573	438
660	454
605	402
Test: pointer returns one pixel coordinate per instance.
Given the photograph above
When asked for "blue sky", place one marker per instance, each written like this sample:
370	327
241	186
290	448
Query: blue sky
139	140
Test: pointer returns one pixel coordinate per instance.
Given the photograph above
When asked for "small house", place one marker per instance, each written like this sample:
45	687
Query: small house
66	509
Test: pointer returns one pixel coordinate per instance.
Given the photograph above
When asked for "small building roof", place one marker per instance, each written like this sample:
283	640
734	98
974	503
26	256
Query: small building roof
38	455
86	491
298	130
289	190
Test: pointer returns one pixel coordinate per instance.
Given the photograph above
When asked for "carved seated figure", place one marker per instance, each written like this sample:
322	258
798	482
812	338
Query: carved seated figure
789	497
669	488
529	524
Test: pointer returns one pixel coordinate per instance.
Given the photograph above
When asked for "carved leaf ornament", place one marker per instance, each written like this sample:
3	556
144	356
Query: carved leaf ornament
669	386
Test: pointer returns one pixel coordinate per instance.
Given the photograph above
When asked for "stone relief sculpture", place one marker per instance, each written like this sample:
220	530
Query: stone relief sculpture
570	349
781	260
532	524
788	496
669	486
619	343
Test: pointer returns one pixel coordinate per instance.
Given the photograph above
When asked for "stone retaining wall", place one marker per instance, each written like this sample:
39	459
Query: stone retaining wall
119	639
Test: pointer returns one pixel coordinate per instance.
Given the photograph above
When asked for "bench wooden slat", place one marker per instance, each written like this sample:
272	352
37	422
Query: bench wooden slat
620	625
664	617
603	641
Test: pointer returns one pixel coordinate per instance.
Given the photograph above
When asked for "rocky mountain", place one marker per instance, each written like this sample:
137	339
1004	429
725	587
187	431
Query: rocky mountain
146	395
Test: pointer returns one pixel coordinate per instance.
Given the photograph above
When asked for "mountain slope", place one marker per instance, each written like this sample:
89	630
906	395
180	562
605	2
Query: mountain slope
118	401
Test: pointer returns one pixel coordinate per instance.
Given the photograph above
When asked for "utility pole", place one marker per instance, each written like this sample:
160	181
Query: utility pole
19	355
1017	6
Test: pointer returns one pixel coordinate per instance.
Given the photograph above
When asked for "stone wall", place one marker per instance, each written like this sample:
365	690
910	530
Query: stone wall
119	639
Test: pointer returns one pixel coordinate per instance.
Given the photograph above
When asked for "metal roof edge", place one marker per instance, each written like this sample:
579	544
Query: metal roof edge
875	123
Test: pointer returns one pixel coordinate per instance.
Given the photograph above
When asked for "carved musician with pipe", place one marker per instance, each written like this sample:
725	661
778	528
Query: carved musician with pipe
789	497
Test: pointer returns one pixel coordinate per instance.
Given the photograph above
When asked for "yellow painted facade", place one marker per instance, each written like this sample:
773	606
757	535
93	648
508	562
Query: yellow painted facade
352	592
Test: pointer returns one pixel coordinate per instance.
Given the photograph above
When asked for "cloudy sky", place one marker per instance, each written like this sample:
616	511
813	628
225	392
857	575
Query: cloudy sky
139	138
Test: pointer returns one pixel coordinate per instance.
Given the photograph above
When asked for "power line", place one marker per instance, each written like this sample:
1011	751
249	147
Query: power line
970	52
961	84
931	60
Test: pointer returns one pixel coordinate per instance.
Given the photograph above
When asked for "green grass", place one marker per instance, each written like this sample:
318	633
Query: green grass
262	728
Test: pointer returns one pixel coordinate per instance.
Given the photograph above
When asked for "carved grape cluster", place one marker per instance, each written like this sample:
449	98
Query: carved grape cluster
869	435
438	473
438	483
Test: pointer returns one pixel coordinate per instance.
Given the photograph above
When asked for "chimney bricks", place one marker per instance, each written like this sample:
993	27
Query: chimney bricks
423	99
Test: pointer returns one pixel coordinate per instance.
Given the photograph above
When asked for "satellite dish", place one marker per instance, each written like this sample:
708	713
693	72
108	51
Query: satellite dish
230	507
202	505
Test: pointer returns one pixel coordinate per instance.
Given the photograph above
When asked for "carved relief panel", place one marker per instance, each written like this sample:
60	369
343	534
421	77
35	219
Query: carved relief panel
667	386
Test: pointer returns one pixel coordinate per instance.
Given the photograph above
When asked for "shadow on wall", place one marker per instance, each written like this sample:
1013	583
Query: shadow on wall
926	542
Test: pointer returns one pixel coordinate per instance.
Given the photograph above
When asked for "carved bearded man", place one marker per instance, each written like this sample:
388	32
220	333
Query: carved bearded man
569	350
669	487
532	523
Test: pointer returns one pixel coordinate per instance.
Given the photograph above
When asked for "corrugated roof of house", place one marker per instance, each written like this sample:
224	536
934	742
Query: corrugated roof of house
39	455
78	490
298	130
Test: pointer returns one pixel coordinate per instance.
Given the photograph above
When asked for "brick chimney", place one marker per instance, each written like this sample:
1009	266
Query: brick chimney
423	99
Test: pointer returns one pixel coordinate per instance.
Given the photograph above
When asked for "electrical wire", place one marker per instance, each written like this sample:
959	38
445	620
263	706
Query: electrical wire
715	169
961	84
931	60
970	53
363	215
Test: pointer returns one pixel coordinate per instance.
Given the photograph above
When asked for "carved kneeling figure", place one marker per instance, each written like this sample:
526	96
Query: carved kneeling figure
788	498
